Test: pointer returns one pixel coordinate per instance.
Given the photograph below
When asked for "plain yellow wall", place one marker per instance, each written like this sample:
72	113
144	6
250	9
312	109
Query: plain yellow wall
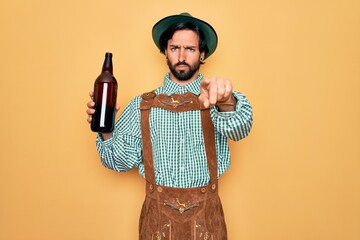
296	177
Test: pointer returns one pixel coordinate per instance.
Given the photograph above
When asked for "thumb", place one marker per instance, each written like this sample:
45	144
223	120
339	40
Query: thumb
117	107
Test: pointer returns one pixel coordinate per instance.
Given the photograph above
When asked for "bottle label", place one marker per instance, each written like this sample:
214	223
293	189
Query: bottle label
103	105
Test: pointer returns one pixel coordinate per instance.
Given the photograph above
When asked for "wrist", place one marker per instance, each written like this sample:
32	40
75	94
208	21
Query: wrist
227	105
106	136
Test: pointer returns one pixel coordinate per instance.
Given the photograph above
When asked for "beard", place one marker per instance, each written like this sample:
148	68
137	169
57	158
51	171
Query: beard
183	75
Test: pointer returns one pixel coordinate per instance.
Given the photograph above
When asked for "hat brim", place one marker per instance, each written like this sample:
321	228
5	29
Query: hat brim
209	32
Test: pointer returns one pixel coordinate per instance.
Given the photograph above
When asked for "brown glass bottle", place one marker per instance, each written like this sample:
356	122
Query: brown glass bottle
105	93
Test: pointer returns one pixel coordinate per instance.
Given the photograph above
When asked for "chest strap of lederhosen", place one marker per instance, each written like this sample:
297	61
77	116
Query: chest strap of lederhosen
176	103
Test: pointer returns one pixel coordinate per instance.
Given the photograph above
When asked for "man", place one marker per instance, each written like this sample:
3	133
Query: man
177	136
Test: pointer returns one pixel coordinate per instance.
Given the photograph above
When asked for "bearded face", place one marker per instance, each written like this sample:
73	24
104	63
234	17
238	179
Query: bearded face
183	55
182	70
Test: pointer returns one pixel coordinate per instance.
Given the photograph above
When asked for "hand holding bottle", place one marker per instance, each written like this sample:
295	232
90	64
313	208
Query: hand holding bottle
104	97
90	112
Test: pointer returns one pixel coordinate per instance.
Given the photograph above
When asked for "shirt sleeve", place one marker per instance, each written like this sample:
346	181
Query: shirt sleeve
237	124
123	151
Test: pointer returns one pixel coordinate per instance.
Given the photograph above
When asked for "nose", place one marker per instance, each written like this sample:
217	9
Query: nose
182	55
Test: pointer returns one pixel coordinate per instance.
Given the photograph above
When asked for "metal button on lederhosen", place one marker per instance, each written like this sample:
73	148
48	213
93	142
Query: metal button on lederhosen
180	213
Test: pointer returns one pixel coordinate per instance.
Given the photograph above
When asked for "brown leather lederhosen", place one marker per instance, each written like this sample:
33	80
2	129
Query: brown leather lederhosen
180	213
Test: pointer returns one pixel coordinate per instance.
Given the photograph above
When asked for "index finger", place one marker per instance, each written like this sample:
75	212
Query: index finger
213	92
204	84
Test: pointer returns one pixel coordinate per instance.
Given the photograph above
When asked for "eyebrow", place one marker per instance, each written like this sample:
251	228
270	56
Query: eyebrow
186	47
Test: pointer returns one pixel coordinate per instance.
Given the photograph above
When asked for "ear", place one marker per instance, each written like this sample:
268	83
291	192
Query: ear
202	57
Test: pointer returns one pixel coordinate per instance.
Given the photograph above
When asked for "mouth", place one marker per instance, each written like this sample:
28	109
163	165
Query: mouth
182	67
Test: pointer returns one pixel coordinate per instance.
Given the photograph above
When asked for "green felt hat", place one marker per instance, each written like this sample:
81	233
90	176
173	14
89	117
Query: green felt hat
209	32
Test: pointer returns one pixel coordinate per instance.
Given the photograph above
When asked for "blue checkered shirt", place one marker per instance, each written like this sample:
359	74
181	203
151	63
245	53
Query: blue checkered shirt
177	140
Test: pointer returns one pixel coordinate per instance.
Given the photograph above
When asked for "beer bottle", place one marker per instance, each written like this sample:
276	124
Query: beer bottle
105	92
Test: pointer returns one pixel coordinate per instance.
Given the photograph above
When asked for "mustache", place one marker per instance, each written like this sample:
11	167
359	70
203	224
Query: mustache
182	63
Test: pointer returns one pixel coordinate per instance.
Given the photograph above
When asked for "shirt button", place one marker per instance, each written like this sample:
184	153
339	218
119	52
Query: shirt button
213	187
159	189
203	190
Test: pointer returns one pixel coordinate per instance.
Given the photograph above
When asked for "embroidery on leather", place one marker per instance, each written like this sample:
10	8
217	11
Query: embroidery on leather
164	232
200	233
180	101
181	207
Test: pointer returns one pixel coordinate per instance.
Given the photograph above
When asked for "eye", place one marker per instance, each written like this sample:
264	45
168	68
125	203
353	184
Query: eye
174	48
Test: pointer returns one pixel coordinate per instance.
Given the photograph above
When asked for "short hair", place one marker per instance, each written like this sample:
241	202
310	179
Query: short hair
168	34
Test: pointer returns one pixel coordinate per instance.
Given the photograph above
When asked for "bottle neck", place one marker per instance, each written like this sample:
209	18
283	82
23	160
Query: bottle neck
107	66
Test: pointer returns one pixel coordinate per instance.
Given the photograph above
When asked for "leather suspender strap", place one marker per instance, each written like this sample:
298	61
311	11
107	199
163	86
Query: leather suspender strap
145	106
209	140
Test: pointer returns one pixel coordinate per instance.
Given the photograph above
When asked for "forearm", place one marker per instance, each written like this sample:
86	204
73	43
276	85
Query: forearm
119	153
121	149
234	124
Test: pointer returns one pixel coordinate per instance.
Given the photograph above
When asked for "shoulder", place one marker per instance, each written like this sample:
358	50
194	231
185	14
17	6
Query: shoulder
136	101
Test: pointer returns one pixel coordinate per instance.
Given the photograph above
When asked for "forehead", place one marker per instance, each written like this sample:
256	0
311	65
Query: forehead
184	37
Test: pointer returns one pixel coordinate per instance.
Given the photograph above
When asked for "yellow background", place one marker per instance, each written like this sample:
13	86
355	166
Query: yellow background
296	177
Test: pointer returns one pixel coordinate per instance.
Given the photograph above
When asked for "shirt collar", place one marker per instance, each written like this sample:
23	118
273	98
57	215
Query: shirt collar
171	87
